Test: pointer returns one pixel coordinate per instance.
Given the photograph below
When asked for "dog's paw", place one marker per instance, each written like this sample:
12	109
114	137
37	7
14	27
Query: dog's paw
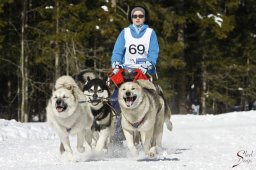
152	155
101	150
81	149
135	153
98	150
105	151
70	157
152	152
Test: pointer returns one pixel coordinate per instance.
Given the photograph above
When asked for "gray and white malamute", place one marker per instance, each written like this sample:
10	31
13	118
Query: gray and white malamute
67	116
143	110
97	94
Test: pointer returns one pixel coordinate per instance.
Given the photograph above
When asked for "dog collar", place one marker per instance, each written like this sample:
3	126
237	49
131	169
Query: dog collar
136	124
99	114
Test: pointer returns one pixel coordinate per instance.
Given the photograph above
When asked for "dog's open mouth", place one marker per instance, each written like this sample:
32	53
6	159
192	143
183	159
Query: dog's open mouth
129	100
61	108
95	102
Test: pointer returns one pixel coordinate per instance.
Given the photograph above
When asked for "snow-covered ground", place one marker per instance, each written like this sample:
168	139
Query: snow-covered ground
196	142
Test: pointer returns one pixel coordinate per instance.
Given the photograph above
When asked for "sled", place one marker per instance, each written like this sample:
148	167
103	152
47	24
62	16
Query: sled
124	75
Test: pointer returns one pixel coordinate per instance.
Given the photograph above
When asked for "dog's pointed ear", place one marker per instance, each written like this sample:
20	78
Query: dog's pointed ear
108	82
85	76
146	84
85	83
88	78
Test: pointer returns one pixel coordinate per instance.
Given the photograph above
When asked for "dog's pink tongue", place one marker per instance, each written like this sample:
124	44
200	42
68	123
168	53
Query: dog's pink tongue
59	109
128	103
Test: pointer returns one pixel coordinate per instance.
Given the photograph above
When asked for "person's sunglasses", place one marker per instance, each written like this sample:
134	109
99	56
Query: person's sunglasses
136	16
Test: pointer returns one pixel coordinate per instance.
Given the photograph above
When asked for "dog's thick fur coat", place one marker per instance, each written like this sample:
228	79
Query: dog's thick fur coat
67	116
144	110
97	94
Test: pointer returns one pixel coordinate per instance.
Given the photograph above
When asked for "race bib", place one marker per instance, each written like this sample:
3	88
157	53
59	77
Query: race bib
136	48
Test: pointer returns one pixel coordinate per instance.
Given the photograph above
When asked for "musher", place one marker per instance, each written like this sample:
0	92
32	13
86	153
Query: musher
135	47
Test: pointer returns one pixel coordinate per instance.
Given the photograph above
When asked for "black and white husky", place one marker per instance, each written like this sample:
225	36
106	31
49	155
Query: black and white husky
97	93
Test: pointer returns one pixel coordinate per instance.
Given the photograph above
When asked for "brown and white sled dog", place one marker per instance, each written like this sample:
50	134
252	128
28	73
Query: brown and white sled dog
144	110
67	116
97	93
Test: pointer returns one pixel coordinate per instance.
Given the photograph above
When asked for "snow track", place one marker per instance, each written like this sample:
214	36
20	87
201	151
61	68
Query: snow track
197	142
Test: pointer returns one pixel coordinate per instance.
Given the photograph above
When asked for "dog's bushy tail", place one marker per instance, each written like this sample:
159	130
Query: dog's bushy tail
168	124
167	118
69	83
167	110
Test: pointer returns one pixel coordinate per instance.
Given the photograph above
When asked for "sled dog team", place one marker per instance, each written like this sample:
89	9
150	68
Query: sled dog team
88	114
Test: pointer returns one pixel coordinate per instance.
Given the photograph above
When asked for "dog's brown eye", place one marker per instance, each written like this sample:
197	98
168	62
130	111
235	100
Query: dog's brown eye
123	89
133	88
90	91
100	91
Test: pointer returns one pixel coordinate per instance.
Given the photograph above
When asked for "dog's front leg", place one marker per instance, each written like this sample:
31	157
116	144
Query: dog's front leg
62	149
104	135
88	139
129	138
80	141
146	138
66	144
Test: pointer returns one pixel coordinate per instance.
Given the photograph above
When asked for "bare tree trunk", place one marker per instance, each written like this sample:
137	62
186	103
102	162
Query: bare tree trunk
113	3
203	93
57	50
94	55
75	57
182	79
68	53
181	98
67	59
19	96
9	95
23	68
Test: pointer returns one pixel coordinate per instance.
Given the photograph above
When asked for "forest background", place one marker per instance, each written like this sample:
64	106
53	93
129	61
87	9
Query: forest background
207	50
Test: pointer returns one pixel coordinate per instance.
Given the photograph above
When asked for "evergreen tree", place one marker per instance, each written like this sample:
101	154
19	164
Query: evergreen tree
207	49
9	57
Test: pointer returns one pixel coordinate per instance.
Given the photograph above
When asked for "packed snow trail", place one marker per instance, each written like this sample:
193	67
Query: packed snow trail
197	142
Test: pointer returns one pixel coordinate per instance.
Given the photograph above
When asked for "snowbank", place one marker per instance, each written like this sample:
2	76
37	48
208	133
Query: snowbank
197	142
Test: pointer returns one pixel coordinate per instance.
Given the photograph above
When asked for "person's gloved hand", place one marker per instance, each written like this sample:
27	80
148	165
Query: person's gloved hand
145	67
116	66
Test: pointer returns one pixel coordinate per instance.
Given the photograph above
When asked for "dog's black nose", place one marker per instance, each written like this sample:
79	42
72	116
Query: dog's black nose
58	101
95	96
128	93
